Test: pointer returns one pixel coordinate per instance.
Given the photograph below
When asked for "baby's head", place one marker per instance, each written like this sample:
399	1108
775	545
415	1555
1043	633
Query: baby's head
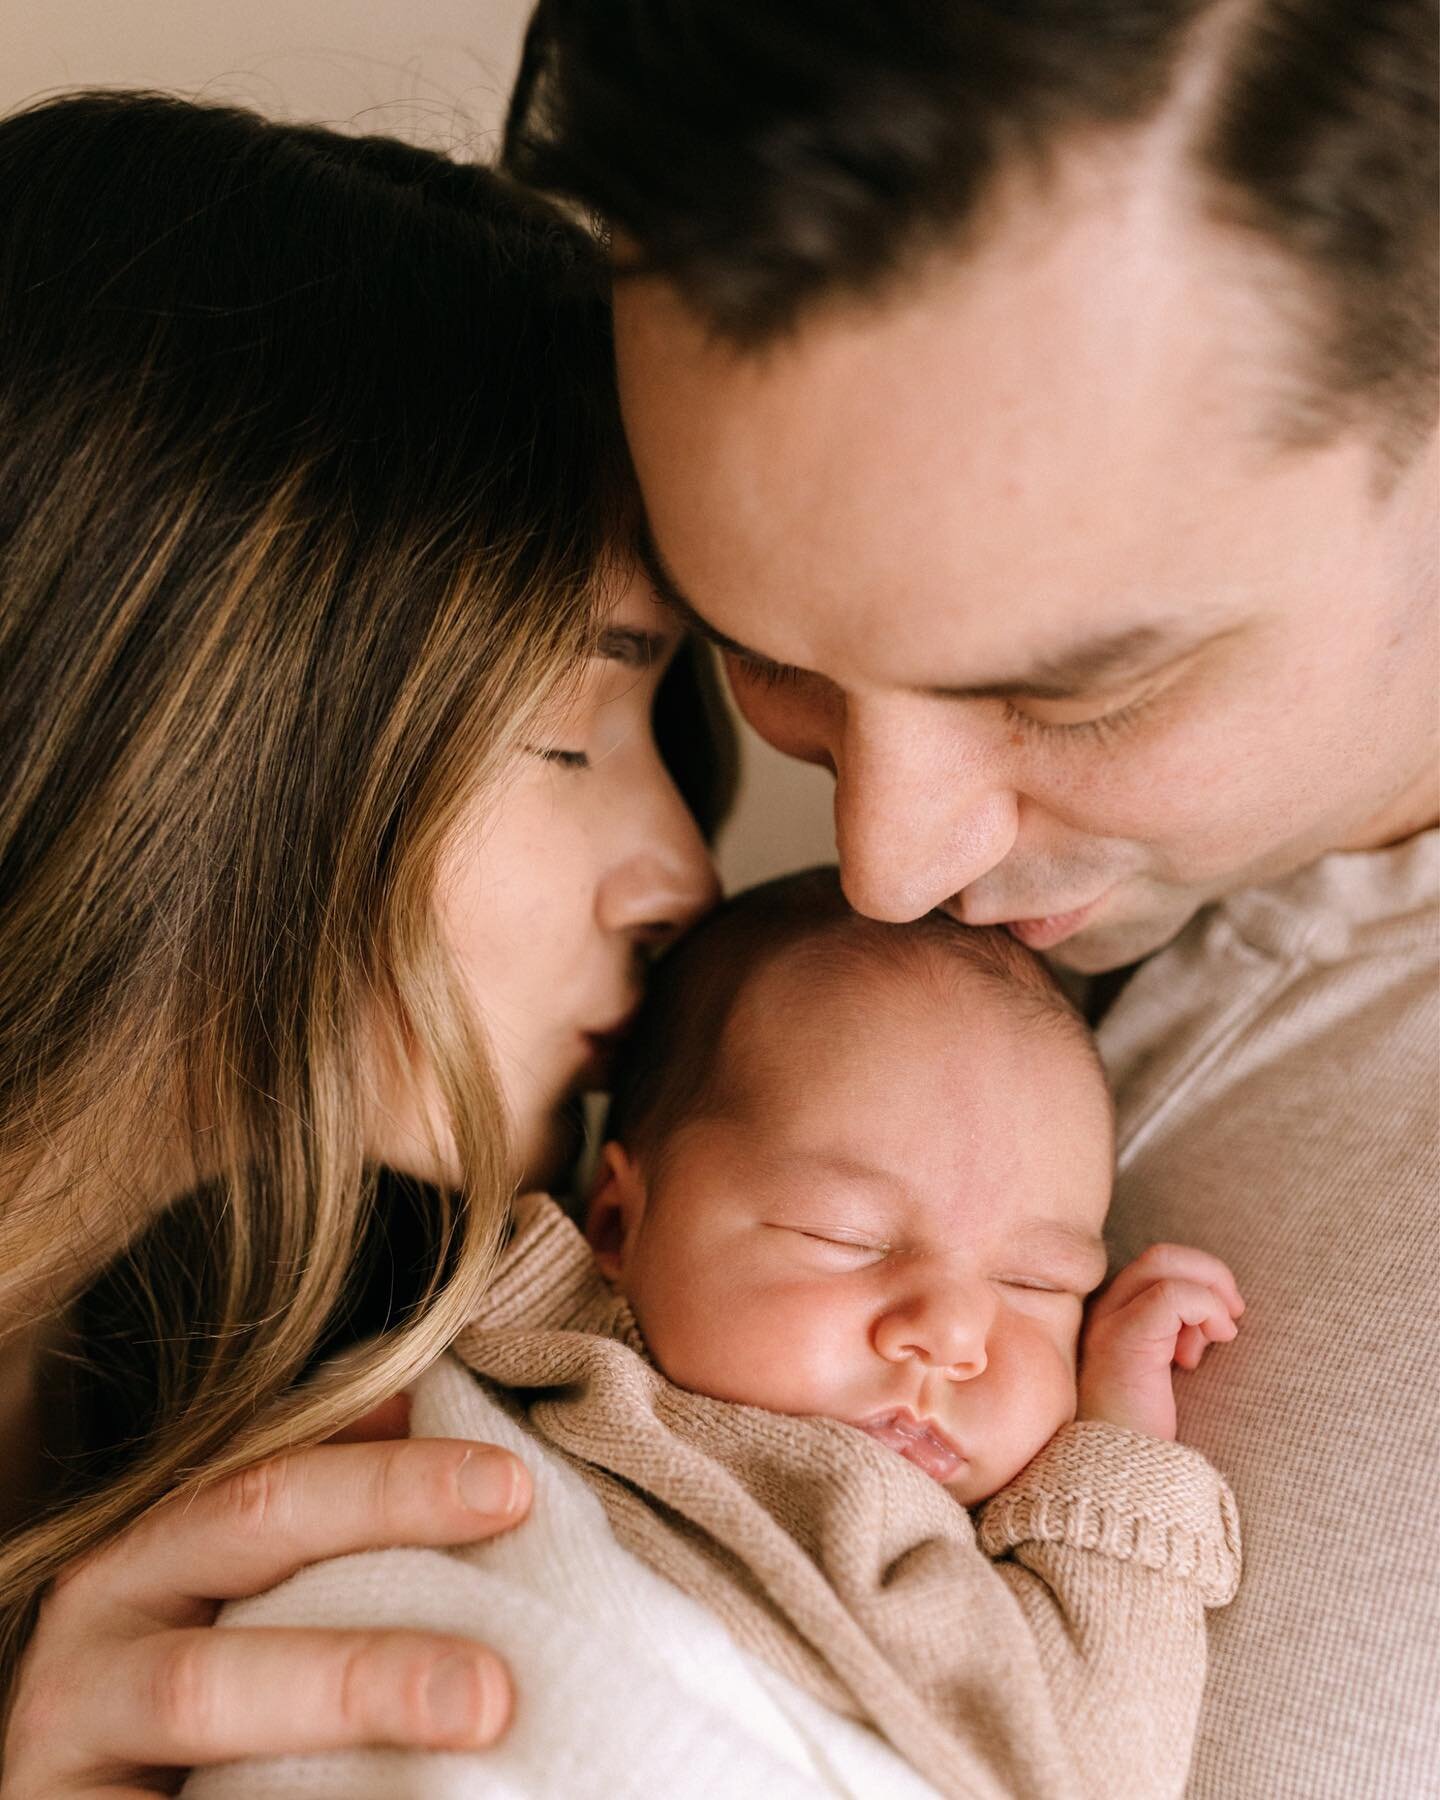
860	1170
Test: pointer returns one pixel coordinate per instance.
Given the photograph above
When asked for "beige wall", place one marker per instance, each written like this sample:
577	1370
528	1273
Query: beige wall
435	71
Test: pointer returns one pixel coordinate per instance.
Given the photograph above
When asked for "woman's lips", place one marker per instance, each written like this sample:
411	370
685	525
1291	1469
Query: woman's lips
918	1440
602	1048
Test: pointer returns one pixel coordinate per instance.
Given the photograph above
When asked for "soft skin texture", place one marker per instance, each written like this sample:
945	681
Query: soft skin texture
895	1204
550	898
1015	473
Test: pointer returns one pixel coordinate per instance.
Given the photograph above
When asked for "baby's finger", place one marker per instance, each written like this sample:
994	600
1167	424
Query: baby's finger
1189	1347
191	1697
1182	1262
1149	1326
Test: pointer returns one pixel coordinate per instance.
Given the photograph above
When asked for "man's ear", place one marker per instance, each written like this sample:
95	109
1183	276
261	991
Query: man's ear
616	1206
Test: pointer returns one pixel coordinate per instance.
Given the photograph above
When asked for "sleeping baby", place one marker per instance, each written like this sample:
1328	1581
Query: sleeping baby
823	1357
839	1249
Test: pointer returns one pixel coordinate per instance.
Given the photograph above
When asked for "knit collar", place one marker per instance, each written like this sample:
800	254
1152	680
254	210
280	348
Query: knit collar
547	1278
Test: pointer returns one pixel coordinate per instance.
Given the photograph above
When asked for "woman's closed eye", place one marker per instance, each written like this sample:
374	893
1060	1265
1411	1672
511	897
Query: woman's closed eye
564	759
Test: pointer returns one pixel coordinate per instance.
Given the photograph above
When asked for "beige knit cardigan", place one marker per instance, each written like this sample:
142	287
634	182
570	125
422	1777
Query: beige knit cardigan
1053	1646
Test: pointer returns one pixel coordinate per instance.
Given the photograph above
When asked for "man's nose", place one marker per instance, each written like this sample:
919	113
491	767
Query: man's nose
662	880
943	1326
921	806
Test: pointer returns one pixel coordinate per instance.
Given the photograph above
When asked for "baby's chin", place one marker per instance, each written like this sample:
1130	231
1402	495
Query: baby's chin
972	1487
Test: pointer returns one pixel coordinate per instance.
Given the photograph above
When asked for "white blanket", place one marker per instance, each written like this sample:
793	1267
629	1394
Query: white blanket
625	1687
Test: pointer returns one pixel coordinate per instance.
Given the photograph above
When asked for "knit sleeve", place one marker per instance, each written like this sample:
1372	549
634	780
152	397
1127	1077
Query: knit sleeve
1112	1546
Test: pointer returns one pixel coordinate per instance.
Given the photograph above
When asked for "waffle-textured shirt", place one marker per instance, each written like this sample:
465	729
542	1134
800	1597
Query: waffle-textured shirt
1277	1071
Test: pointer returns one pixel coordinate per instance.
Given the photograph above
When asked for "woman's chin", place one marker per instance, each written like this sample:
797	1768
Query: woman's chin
552	1149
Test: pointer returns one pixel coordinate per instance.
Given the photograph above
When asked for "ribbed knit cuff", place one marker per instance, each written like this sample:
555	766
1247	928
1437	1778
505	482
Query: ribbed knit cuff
1116	1492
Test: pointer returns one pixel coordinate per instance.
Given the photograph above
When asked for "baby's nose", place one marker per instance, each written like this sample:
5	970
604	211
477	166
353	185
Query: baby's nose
944	1330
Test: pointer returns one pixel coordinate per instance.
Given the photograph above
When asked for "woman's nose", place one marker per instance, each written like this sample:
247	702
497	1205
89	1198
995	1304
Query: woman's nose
942	1327
663	881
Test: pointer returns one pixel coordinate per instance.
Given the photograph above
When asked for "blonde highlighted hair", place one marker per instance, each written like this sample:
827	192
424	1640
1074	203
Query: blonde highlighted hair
310	473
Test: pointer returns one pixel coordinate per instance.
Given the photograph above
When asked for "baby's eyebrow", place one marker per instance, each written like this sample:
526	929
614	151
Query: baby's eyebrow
848	1168
1081	1249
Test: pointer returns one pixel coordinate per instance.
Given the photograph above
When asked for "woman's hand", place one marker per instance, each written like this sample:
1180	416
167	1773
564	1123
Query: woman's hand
125	1685
1161	1311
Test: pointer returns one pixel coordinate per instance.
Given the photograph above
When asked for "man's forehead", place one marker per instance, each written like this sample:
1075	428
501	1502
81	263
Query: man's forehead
1053	664
1025	442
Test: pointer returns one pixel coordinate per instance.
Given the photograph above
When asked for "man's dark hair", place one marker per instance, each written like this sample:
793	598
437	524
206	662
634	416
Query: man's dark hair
675	1062
764	156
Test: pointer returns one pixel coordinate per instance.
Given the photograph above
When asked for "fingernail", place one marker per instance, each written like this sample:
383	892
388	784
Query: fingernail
490	1483
453	1695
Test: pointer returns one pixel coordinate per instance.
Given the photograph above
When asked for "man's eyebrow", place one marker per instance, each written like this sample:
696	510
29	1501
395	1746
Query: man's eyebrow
1109	656
668	592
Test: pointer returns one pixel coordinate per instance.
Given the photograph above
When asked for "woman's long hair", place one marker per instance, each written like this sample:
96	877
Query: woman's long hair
310	476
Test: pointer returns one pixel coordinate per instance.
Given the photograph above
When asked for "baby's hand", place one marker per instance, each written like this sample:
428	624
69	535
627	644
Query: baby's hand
1162	1309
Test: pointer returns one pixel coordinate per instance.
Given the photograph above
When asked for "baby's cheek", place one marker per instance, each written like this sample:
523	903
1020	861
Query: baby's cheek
753	1346
1041	1381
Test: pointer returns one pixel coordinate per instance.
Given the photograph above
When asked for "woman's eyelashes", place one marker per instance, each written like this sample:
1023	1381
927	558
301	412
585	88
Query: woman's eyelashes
563	759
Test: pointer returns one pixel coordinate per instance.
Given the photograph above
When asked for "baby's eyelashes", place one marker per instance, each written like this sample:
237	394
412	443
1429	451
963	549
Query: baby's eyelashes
840	1239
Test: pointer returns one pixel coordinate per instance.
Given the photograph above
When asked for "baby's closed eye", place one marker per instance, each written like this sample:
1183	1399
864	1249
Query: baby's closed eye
854	1244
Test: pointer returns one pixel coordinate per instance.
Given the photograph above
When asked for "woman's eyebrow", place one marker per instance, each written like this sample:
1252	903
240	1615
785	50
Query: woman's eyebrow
634	648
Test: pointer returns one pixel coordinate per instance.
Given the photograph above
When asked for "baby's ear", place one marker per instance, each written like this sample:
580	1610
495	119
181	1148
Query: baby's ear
616	1206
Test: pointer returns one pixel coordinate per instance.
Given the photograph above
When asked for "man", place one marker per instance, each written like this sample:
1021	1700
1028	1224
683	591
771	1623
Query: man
1036	405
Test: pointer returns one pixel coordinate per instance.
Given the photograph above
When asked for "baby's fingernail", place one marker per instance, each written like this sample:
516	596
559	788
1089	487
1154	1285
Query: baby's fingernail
491	1482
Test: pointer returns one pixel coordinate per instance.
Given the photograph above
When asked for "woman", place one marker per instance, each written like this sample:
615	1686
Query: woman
333	831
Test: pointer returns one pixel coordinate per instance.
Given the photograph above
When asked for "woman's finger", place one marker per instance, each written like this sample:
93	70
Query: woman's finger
244	1534
190	1697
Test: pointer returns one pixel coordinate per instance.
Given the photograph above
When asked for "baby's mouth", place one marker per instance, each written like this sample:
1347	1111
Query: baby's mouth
918	1441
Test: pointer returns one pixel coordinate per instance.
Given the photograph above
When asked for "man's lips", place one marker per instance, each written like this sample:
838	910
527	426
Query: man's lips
1045	930
919	1441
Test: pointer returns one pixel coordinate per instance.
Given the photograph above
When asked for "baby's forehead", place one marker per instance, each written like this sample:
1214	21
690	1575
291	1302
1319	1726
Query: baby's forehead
951	1077
860	990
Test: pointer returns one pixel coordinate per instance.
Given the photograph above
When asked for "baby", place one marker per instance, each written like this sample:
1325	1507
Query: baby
841	1240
